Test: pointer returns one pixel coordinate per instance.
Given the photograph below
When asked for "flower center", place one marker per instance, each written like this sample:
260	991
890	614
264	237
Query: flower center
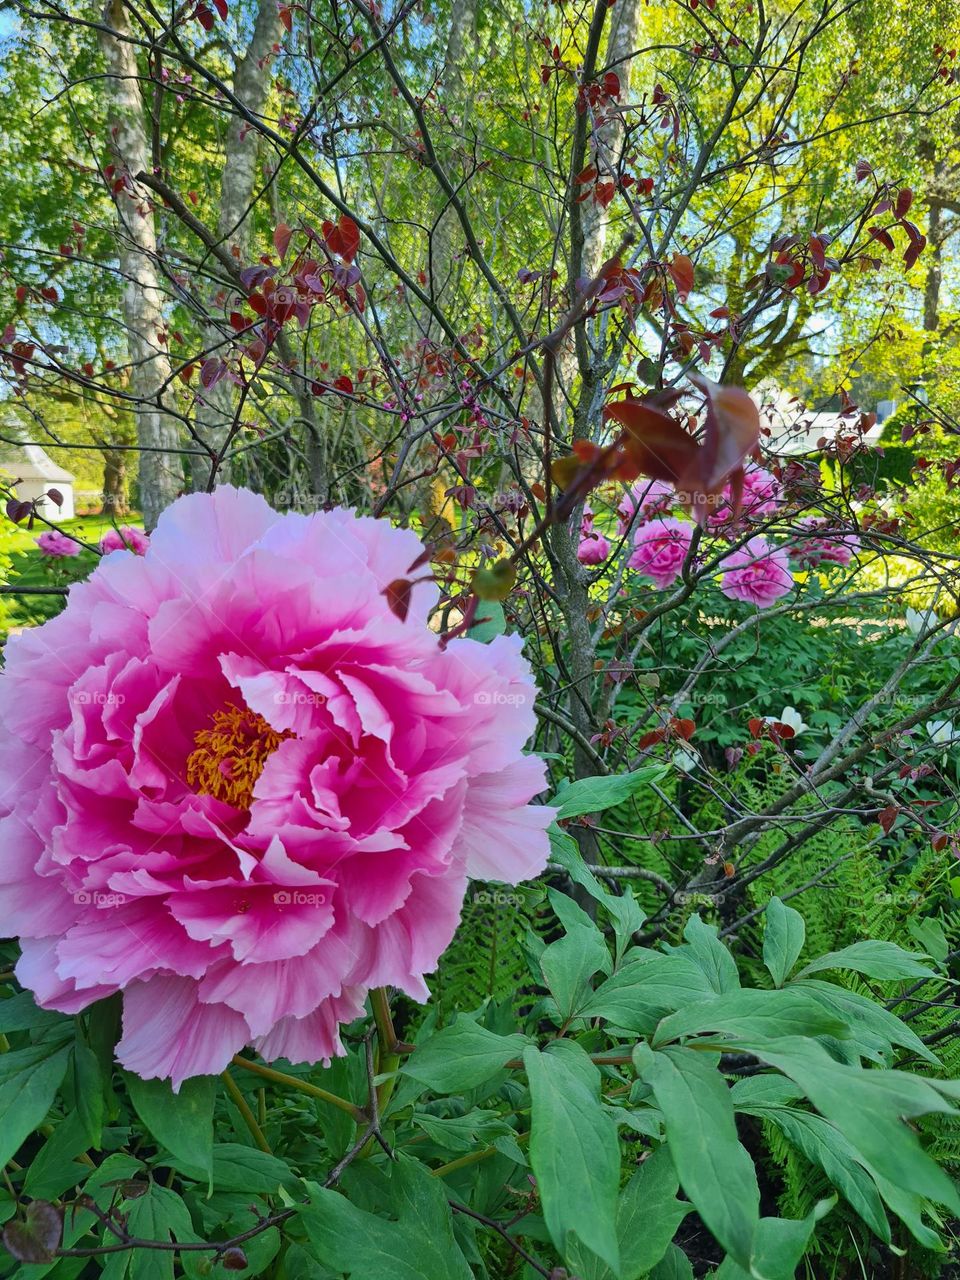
230	757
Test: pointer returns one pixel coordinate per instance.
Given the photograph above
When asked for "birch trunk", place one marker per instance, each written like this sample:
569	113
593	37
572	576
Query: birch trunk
251	85
158	436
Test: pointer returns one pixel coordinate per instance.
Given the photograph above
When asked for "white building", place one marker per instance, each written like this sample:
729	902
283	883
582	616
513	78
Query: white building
33	472
795	430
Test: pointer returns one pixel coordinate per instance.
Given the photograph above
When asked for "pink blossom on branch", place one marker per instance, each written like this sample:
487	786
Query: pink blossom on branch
594	548
757	573
245	792
820	545
128	538
660	548
57	545
653	497
760	497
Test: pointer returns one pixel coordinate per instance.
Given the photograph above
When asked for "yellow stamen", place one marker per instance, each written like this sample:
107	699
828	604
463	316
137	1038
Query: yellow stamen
229	758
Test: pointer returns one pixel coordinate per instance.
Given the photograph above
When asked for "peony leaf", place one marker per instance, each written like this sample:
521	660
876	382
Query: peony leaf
591	795
419	1245
783	939
574	1152
182	1122
715	1170
29	1079
462	1056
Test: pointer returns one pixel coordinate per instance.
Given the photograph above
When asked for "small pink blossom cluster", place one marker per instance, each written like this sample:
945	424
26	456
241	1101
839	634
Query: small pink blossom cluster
594	548
757	573
761	497
126	538
652	497
57	545
819	545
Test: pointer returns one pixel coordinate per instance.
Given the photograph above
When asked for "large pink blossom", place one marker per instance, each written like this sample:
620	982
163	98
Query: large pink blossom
757	572
127	537
241	790
660	548
57	545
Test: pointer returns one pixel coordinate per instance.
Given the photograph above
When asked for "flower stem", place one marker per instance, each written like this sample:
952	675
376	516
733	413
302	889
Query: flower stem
244	1108
388	1059
302	1086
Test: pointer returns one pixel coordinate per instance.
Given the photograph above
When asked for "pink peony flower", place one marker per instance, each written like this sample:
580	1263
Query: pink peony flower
659	549
760	497
651	496
243	792
57	545
593	549
126	538
757	573
819	545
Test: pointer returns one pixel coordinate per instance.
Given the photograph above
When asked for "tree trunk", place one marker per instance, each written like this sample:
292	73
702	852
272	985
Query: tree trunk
114	483
931	291
594	219
251	85
161	473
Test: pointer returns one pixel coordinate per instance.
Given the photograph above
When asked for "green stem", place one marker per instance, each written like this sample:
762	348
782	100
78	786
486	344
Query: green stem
302	1086
388	1059
474	1157
244	1108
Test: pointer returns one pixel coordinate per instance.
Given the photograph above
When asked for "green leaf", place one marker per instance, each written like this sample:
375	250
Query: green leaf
592	795
624	909
29	1079
240	1168
568	965
647	986
462	1056
783	939
780	1245
715	1171
873	1029
182	1122
574	1151
648	1214
707	952
88	1090
868	1107
873	960
463	1133
824	1145
493	622
159	1214
419	1245
54	1168
753	1014
20	1013
674	1265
